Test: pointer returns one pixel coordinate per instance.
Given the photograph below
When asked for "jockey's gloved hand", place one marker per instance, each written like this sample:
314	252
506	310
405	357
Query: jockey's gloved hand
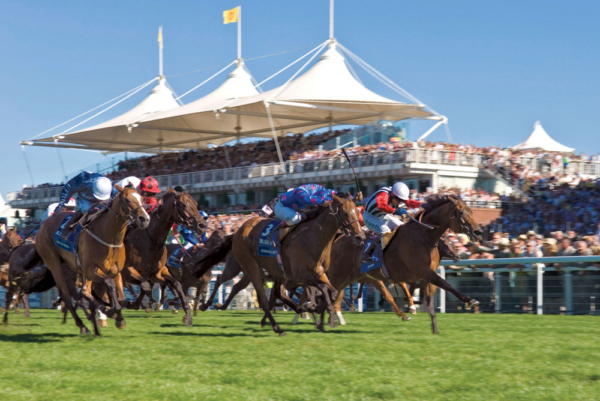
59	208
400	212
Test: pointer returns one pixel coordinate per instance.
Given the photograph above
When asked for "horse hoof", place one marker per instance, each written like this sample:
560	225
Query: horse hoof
84	331
175	311
26	314
103	323
406	318
471	304
412	309
148	310
204	307
283	333
187	320
156	307
120	324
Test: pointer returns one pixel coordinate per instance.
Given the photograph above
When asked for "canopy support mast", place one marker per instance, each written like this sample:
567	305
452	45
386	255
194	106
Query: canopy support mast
239	23
160	52
330	19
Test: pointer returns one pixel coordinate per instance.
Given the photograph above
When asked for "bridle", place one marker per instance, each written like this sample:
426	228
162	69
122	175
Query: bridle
344	227
186	221
123	206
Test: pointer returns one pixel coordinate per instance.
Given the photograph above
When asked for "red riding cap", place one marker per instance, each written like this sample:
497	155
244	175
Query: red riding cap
149	184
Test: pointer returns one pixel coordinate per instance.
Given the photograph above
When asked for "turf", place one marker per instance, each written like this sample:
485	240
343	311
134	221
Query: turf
228	356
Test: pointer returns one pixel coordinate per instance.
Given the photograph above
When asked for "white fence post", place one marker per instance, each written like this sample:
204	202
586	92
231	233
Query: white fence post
540	289
360	300
442	292
498	283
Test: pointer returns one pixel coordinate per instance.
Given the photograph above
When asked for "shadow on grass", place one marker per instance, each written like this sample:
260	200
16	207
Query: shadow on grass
195	325
187	334
35	338
147	316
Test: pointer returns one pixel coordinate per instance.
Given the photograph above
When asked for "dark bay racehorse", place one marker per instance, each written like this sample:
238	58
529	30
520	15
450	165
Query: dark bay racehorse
301	250
146	254
187	274
345	269
412	253
100	256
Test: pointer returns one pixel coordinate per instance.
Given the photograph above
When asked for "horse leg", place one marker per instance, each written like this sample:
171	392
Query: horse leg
8	300
253	272
380	286
68	291
430	297
208	303
176	288
25	302
433	278
239	286
275	292
411	303
337	308
115	308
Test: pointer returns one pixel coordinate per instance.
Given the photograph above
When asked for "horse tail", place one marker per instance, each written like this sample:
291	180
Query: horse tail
214	256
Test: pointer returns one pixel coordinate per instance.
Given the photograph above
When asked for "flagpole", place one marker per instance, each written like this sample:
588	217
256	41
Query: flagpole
330	19
239	54
160	52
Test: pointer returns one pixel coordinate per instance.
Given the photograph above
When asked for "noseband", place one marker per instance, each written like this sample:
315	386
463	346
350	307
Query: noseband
344	227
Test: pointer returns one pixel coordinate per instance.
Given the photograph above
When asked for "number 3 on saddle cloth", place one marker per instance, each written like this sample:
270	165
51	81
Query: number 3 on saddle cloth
70	242
269	244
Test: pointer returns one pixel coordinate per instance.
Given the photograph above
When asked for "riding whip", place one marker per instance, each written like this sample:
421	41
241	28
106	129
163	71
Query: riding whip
350	163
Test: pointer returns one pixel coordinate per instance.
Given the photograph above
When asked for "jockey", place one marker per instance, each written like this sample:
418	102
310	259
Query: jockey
382	208
290	203
148	188
91	188
189	236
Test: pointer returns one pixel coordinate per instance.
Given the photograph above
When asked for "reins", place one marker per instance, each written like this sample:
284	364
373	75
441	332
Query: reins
342	226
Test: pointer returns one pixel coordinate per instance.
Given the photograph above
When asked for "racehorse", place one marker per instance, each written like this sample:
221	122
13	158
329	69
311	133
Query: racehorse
99	258
412	254
8	244
187	273
345	266
301	250
146	254
27	274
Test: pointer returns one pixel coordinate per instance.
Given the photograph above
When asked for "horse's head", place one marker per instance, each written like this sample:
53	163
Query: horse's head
447	249
462	220
130	206
343	208
12	239
186	212
441	208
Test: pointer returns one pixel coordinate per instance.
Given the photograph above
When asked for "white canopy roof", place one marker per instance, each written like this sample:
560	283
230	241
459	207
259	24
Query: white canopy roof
539	139
327	94
113	133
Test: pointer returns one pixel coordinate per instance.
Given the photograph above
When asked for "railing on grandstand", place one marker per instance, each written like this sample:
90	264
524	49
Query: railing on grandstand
371	159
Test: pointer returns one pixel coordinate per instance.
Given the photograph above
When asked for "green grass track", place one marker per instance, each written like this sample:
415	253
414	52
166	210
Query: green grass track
228	356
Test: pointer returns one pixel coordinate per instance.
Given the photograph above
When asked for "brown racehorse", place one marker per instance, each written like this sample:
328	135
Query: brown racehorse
345	270
412	254
301	250
11	241
100	255
187	273
146	252
7	245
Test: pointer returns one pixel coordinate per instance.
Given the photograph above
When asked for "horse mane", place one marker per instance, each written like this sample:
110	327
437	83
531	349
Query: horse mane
436	200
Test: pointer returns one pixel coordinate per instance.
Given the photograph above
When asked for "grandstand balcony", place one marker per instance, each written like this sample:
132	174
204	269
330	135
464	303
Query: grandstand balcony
419	168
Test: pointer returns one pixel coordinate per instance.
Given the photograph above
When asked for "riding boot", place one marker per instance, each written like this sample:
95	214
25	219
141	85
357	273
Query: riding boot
368	255
71	224
385	239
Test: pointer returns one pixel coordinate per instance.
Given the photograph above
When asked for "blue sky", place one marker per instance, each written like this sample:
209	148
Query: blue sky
492	67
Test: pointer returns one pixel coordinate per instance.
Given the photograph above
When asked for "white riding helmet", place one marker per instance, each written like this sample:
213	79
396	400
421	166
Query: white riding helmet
401	191
102	188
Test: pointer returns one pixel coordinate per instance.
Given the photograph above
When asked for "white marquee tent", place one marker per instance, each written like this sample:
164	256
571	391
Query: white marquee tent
539	139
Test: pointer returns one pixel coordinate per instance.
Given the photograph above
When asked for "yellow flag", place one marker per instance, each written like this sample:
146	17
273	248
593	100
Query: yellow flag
230	16
160	40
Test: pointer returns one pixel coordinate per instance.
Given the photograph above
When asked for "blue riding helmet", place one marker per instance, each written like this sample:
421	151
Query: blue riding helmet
203	214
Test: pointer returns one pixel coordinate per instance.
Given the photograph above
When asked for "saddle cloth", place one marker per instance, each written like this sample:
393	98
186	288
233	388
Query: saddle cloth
375	262
176	257
70	243
269	244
